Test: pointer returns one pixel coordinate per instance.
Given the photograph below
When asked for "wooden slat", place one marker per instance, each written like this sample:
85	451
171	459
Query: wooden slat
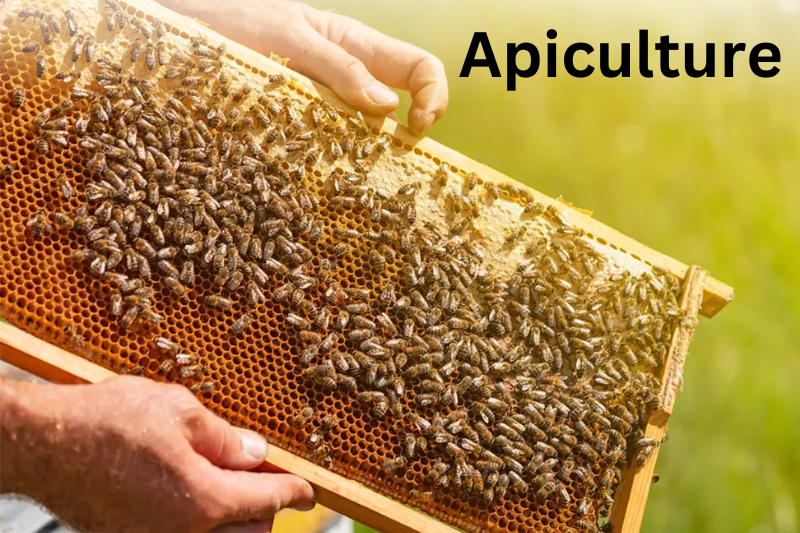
332	490
49	362
672	379
355	500
631	497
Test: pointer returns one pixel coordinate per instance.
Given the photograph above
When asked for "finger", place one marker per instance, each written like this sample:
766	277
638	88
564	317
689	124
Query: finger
329	64
262	526
224	445
257	496
394	62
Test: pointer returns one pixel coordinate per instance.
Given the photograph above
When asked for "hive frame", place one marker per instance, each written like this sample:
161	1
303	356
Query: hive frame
355	500
701	294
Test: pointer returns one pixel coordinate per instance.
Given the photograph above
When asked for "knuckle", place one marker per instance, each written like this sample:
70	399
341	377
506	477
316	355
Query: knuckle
437	63
351	66
431	65
211	506
212	511
180	395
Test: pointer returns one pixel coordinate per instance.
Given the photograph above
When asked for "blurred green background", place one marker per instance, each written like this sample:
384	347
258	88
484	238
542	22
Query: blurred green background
706	170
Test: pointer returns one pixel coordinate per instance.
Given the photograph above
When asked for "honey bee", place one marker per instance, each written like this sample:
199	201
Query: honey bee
161	54
242	323
184	359
38	225
68	76
275	80
162	343
391	466
115	304
328	422
41	145
314	440
111	19
159	28
54	23
136	49
65	187
88	49
425	495
32	47
72	24
78	46
142	27
303	416
18	97
41	65
242	93
150	56
175	286
376	259
47	34
191	371
340	250
515	235
165	366
533	208
218	302
130	316
204	387
297	321
28	12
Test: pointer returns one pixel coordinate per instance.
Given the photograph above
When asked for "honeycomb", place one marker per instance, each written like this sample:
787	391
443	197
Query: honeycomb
255	375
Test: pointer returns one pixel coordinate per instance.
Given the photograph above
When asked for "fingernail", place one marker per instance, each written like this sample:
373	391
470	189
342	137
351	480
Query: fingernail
380	94
427	121
254	445
305	506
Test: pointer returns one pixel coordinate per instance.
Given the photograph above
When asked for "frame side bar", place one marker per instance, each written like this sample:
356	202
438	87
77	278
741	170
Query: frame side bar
631	498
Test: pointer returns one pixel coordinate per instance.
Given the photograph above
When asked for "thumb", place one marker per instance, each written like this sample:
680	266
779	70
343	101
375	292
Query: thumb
224	445
331	65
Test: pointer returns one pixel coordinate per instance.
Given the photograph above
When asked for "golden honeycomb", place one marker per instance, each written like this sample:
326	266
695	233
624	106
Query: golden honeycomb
258	381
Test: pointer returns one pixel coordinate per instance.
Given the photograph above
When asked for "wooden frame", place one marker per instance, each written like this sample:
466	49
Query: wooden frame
355	500
702	294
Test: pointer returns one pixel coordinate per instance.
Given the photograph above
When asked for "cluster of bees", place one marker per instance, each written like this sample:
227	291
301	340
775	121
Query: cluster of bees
188	364
51	128
538	384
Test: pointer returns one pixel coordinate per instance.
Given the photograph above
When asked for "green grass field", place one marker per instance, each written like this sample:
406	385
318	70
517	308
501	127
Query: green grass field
705	170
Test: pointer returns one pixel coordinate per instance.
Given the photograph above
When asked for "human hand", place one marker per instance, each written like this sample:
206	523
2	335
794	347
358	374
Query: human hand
131	455
354	60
